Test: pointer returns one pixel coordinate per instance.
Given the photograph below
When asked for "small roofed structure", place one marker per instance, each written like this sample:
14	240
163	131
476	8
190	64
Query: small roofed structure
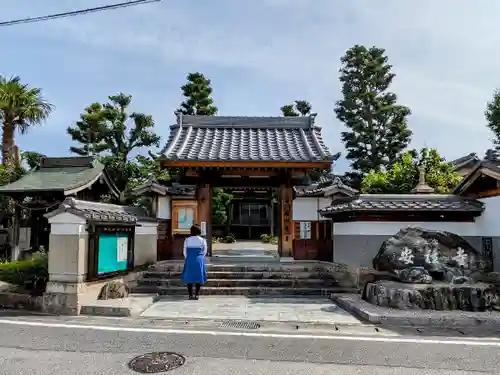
65	176
101	212
328	186
44	188
465	164
482	182
116	239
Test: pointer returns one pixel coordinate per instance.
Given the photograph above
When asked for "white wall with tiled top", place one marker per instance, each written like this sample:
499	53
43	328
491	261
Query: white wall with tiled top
487	225
356	243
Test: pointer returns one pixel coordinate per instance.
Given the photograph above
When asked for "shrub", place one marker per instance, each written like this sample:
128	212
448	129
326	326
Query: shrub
266	238
230	238
31	274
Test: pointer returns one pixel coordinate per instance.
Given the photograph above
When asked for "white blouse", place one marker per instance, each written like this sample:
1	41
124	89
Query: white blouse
195	241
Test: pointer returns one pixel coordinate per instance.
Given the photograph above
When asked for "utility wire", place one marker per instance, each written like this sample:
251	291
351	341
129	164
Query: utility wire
76	12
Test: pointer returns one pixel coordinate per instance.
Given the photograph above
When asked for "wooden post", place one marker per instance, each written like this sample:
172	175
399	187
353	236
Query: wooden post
286	231
204	197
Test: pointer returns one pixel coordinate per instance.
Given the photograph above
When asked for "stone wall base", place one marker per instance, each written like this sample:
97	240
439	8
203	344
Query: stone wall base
61	304
63	298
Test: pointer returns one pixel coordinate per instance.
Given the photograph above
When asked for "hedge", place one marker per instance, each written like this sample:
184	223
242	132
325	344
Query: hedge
30	274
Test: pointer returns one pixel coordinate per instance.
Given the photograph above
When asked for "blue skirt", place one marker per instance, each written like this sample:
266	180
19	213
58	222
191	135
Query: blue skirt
194	271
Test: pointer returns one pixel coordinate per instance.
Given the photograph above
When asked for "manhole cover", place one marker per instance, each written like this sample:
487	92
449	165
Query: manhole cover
240	324
156	362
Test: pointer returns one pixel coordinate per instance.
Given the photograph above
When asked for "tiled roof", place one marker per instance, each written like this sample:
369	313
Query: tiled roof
472	157
220	138
327	185
152	186
103	212
404	202
67	175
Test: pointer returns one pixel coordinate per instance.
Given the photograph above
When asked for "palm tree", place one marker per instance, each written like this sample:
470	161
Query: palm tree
21	107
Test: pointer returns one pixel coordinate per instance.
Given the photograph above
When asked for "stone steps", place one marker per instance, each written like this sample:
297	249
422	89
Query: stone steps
247	278
234	267
299	275
245	291
243	282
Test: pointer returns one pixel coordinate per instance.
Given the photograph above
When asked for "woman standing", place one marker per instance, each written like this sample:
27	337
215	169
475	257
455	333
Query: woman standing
194	272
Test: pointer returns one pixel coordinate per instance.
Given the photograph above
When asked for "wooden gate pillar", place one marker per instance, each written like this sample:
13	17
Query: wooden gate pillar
204	198
286	232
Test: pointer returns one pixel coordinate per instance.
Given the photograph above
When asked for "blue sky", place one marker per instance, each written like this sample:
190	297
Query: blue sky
259	55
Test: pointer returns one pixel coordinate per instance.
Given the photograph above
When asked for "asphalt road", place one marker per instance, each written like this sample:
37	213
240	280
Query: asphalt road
58	345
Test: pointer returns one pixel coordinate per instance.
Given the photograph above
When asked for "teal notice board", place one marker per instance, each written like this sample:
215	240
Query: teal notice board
112	253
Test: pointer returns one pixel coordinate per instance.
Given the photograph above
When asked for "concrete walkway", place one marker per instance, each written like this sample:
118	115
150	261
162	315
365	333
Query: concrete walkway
244	245
294	310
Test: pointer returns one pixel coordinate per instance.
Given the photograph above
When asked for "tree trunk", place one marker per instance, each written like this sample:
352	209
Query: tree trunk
7	143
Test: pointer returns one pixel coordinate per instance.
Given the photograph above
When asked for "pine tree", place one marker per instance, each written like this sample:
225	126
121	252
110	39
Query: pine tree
198	94
377	127
298	108
112	129
89	131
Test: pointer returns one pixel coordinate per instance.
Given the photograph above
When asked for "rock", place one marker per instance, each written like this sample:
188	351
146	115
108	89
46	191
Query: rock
460	280
114	289
418	275
437	296
446	256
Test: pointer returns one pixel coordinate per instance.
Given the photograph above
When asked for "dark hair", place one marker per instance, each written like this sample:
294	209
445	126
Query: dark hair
195	230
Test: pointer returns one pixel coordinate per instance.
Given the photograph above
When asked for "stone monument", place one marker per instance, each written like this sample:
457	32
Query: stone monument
430	270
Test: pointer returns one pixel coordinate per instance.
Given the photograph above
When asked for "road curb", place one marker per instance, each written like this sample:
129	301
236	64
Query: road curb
365	311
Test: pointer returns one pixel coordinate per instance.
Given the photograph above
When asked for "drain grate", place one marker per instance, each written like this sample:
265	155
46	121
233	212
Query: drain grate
240	324
156	362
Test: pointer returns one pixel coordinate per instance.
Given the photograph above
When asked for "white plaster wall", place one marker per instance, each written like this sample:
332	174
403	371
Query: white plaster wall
164	208
306	208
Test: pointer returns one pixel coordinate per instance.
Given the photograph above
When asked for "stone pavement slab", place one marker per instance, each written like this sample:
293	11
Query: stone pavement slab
124	307
311	310
438	319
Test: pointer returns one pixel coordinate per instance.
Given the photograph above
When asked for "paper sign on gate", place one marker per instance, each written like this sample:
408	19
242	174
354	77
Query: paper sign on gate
122	249
305	230
203	228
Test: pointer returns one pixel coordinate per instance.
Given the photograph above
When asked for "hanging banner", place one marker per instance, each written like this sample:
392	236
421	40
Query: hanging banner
305	230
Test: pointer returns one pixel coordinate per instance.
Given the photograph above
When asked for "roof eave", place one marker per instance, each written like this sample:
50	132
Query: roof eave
469	179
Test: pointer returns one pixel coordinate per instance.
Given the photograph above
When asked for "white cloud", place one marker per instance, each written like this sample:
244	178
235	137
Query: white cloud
444	52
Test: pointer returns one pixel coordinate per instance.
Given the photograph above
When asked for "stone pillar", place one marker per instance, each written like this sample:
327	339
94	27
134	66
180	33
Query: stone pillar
286	196
164	217
145	243
204	198
68	258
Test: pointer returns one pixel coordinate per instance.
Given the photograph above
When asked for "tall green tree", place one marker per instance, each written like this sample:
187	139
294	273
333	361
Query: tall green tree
402	176
377	131
21	107
90	132
198	94
298	108
31	159
110	131
492	114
